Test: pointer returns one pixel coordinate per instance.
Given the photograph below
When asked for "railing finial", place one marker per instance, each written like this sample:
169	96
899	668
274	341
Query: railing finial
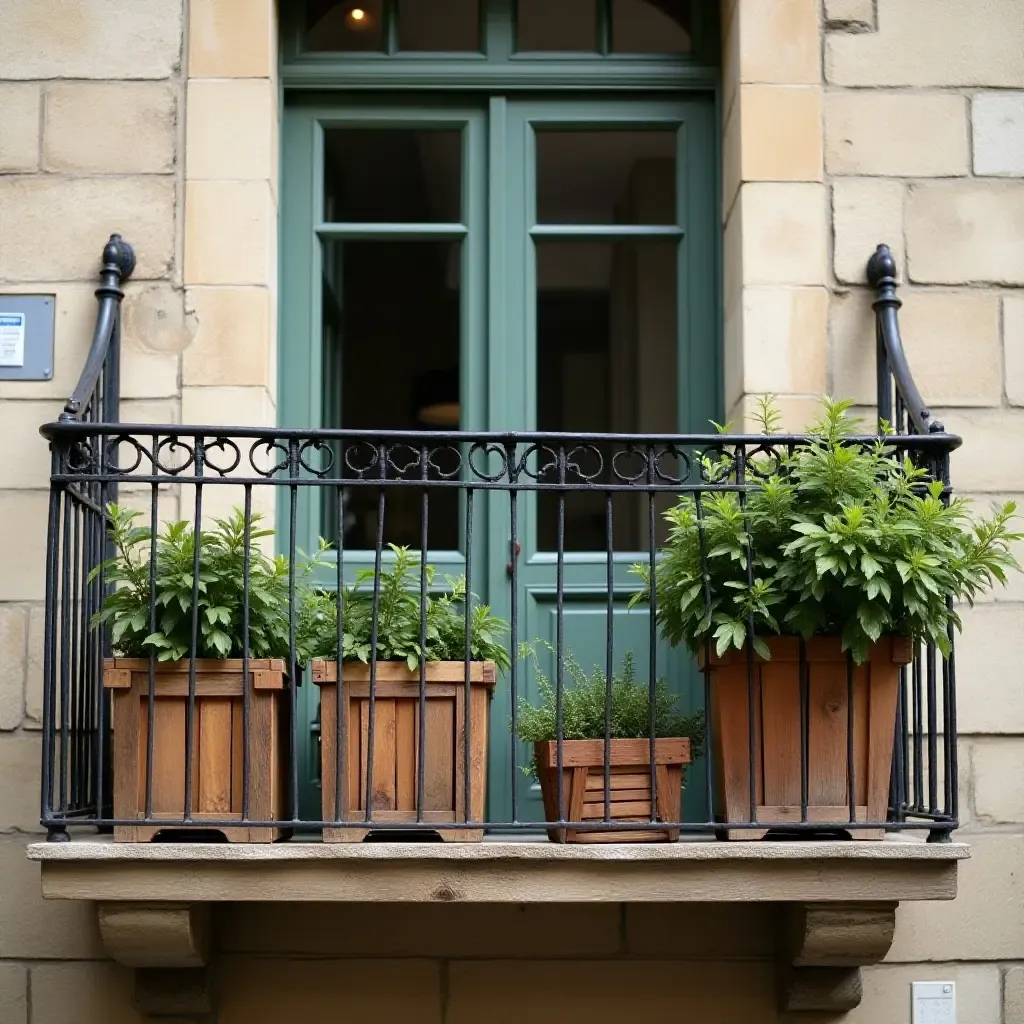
881	265
119	257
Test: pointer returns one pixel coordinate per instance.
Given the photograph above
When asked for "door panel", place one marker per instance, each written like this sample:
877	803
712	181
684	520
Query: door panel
604	208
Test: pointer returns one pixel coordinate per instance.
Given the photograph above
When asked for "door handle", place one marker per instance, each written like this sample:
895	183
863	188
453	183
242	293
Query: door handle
517	550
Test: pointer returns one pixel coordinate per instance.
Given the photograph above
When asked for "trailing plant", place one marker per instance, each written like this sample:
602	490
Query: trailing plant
584	703
220	589
839	537
398	619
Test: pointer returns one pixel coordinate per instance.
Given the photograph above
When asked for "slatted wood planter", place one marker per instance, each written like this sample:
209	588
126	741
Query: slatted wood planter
396	745
218	744
777	714
583	787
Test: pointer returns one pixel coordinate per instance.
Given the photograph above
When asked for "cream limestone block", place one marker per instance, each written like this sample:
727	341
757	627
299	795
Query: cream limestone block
13	640
230	129
233	338
966	232
997	119
784	232
780	133
779	41
988	674
896	134
19	127
67	220
232	39
110	127
20	759
865	212
990	460
230	233
91	39
1013	347
922	43
998	765
24	515
28	459
784	340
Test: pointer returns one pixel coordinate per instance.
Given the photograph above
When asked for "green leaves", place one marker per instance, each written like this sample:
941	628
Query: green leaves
165	626
583	707
398	619
843	538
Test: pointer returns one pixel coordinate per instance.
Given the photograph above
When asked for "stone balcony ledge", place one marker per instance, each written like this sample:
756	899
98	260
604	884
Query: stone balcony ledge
500	870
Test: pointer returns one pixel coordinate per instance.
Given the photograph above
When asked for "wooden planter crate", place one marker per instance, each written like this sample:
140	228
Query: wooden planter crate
396	745
583	787
218	751
777	761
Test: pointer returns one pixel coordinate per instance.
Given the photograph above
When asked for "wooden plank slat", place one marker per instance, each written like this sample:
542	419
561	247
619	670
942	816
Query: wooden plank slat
596	796
826	762
406	745
439	783
214	757
639	810
618	780
780	732
483	672
203	665
590	753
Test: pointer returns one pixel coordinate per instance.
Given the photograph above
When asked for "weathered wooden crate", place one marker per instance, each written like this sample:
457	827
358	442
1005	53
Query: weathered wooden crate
777	733
396	745
583	787
218	752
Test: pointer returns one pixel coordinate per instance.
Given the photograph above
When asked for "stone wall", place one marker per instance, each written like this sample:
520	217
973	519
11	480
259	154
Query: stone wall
846	122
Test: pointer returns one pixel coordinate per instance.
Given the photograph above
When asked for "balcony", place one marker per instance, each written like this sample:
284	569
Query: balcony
275	719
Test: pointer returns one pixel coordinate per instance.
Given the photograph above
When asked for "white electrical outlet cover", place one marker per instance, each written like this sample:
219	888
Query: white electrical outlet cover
934	1002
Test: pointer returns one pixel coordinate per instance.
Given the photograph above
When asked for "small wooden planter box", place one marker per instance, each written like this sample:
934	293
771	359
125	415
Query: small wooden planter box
396	745
777	733
583	787
218	753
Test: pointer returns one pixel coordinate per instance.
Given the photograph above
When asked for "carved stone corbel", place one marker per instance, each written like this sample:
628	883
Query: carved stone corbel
168	944
821	952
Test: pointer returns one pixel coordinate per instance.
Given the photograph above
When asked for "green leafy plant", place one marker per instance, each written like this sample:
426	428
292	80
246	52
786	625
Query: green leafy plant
221	594
843	538
398	620
584	702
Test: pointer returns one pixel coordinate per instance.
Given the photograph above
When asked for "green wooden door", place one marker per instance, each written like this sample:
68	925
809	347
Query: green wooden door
604	230
573	241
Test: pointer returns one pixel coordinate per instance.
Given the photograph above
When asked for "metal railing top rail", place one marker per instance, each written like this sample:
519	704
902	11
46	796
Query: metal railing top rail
893	368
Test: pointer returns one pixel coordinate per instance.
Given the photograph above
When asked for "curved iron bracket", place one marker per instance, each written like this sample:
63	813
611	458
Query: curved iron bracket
103	359
892	359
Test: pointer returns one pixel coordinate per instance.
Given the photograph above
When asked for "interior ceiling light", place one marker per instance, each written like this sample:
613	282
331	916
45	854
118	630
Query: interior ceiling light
358	18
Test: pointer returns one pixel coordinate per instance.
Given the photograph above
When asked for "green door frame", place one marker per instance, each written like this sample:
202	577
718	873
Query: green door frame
481	95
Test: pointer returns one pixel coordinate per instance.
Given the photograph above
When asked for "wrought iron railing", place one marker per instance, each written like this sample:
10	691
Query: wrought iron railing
504	492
